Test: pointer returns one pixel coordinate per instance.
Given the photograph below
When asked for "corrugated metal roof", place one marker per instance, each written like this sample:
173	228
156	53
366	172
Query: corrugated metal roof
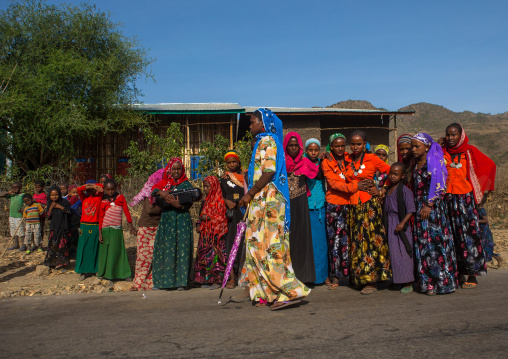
323	110
189	108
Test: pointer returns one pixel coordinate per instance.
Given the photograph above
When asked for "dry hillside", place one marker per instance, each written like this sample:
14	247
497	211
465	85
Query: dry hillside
482	129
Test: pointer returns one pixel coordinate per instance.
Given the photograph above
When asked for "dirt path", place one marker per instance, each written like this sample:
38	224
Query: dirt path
19	272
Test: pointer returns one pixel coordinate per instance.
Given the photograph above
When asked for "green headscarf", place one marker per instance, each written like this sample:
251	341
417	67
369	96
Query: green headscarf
332	138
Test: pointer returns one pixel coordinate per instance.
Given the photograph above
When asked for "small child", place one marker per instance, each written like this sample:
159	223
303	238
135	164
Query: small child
16	215
213	226
113	262
41	197
75	218
486	234
64	189
399	207
32	214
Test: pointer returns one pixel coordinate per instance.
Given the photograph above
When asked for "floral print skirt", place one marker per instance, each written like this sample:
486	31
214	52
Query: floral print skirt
337	233
58	250
268	269
210	260
144	257
463	216
368	251
436	264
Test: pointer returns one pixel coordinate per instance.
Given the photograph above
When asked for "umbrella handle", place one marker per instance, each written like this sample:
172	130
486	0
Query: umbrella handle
246	212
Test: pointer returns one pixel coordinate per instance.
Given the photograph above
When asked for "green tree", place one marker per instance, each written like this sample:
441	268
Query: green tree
145	160
67	74
212	155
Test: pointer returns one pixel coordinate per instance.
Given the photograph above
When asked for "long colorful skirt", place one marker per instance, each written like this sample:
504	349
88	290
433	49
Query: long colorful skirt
144	242
436	264
172	253
58	250
368	252
268	267
463	216
319	243
113	260
337	231
486	236
210	260
88	248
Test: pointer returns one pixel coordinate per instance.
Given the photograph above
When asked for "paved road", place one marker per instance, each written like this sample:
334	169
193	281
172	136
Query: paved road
467	324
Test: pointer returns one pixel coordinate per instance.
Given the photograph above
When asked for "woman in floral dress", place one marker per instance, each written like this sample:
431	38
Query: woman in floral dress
436	264
268	268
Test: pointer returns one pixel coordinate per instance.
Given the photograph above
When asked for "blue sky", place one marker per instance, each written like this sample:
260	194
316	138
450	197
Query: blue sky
316	53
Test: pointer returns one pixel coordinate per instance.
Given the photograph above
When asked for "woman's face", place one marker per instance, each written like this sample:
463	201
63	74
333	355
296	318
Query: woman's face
293	148
405	151
256	125
338	147
110	189
357	145
176	170
452	136
206	188
312	151
54	195
382	155
419	148
232	164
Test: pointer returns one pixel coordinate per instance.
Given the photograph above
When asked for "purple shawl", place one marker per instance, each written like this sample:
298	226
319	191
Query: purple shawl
147	188
435	166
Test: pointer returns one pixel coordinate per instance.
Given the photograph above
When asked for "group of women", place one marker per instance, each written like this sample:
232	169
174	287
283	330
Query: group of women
319	217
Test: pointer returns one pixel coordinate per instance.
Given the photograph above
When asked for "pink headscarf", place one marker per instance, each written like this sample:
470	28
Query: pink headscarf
147	188
300	165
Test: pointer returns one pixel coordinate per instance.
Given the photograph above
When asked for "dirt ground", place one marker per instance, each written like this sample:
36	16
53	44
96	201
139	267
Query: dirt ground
19	272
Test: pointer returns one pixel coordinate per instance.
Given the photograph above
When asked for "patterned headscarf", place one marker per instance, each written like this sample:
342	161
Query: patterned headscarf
237	177
215	208
405	138
332	138
435	165
232	153
147	188
273	127
384	148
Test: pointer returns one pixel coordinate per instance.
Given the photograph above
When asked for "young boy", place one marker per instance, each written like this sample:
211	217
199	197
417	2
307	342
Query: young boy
15	214
40	197
32	213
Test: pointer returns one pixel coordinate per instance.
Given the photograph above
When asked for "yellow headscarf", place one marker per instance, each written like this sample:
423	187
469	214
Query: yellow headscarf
382	147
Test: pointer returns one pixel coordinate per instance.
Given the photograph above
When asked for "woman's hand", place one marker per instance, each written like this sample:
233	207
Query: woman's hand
245	200
174	201
98	188
365	185
425	212
230	204
326	155
373	191
400	227
100	237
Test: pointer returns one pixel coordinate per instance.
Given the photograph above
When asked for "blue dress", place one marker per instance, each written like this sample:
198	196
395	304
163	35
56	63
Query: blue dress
317	209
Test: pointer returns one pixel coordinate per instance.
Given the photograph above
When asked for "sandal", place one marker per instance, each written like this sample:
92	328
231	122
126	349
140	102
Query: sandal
231	284
327	282
280	305
468	285
431	293
368	290
333	287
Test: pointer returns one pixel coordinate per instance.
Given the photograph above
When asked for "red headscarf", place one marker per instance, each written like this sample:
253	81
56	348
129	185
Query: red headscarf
480	168
299	165
215	208
167	181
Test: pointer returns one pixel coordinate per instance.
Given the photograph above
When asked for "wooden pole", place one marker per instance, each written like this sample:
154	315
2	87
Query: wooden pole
231	133
187	146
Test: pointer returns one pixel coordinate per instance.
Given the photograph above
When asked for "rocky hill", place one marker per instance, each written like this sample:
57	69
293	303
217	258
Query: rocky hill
483	130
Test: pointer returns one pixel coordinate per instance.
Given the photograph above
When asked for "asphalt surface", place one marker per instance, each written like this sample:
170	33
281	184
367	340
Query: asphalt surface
469	323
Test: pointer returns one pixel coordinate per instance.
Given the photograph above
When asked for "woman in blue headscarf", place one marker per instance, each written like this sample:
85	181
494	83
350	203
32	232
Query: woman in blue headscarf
268	268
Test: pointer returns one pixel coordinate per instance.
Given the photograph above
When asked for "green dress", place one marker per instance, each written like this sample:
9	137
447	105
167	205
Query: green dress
172	254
